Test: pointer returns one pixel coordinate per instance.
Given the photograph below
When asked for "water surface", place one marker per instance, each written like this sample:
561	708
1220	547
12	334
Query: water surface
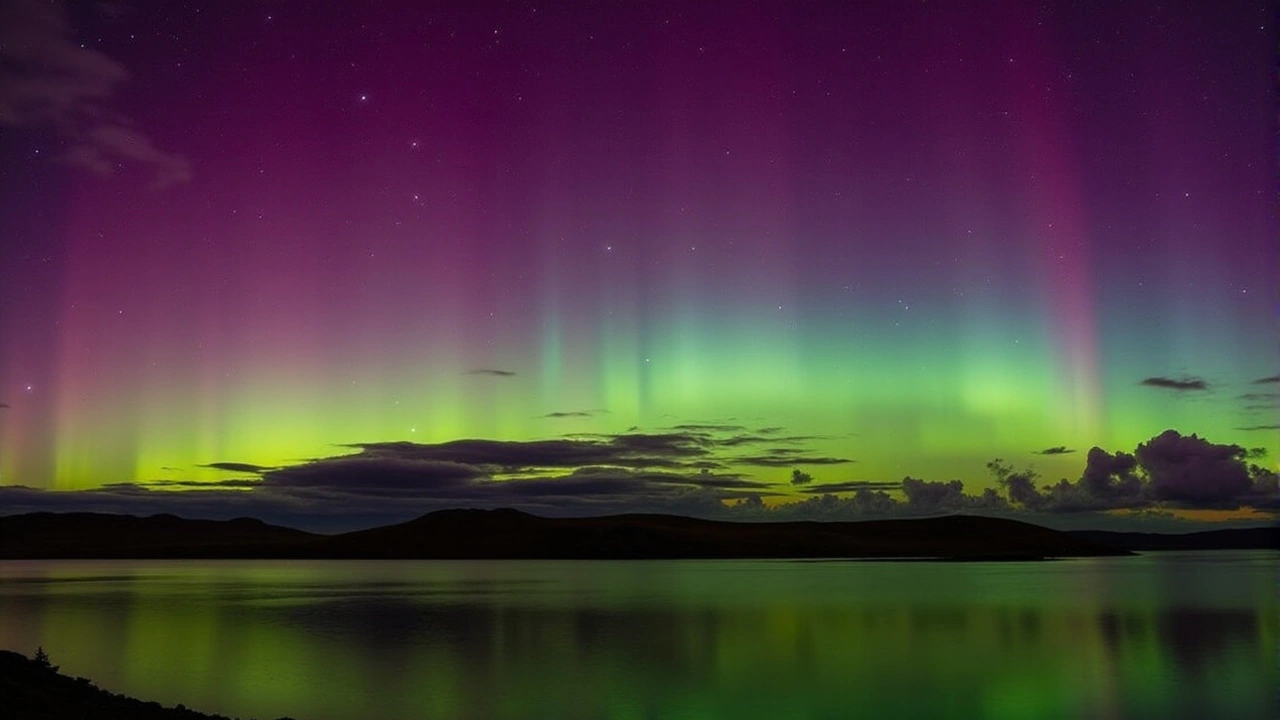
1163	635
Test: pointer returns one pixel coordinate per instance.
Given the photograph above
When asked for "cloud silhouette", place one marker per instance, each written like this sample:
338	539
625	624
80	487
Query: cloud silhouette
1268	379
371	472
672	472
3	405
708	427
1056	450
782	457
1193	471
491	372
1259	402
1251	428
851	486
567	414
677	450
50	82
1109	477
1177	384
761	438
205	484
238	467
926	496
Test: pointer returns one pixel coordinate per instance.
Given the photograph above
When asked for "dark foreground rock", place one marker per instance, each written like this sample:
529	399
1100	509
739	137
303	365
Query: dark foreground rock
31	689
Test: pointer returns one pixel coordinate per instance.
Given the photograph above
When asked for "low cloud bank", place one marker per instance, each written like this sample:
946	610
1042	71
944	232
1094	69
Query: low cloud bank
686	471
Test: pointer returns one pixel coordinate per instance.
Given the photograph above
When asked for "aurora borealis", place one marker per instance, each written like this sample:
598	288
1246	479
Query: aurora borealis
905	238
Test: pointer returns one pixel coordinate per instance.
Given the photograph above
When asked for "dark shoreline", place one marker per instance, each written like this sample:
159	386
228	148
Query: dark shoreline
33	690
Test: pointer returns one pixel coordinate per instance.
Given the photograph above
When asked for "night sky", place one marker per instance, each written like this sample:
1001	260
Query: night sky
337	257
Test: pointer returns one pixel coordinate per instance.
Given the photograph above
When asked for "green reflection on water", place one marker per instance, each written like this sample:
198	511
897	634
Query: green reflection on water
1159	636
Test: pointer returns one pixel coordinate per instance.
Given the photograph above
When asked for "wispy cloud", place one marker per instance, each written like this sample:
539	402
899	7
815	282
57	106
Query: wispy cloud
50	82
785	457
709	427
1056	450
1184	384
238	467
851	486
491	372
1268	379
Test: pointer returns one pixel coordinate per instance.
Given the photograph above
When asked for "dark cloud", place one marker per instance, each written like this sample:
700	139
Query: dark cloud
1192	471
628	450
927	496
1109	477
710	480
1056	450
1177	384
851	486
782	457
1260	402
491	372
239	467
204	484
3	405
1250	428
1268	379
708	427
51	83
373	471
1170	470
672	472
1022	491
568	414
761	438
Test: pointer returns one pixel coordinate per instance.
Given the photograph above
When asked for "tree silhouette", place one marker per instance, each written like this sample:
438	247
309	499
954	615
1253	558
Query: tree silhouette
42	659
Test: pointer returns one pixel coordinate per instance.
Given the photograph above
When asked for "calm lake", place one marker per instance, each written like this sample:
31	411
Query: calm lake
1163	635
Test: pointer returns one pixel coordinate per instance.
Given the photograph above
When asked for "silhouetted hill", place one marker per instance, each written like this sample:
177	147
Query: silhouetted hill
31	690
478	534
1263	538
99	535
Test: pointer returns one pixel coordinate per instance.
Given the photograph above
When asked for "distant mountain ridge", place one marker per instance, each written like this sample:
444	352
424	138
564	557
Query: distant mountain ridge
512	534
102	535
